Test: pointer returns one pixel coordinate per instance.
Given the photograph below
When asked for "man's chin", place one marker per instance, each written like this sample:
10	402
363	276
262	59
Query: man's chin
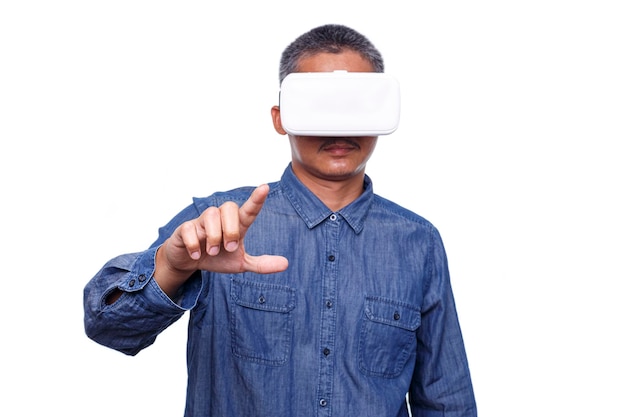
340	173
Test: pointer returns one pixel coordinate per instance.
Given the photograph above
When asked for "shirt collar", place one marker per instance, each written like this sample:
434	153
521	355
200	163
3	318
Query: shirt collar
313	211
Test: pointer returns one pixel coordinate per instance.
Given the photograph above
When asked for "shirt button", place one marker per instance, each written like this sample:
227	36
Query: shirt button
323	402
396	316
333	217
131	283
329	304
142	277
331	258
326	351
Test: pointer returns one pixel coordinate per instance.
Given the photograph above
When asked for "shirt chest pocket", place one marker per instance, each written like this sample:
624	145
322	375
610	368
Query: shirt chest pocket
261	321
387	338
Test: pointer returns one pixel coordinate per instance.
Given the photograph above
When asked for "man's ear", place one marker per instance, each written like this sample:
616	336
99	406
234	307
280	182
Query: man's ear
276	119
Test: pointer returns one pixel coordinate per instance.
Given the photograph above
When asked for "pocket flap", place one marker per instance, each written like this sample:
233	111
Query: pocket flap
263	296
392	312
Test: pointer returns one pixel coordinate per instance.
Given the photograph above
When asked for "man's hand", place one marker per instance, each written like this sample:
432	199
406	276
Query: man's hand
214	242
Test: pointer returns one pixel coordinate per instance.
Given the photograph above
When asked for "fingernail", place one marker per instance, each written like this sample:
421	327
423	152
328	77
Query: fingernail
231	246
214	250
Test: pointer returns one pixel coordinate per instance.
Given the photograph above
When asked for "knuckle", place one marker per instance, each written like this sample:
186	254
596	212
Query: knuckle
210	213
228	204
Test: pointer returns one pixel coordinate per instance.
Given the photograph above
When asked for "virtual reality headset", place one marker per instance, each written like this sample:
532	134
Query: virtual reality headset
339	103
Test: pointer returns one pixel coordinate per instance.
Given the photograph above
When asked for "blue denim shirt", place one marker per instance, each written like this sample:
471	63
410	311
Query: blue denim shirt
363	315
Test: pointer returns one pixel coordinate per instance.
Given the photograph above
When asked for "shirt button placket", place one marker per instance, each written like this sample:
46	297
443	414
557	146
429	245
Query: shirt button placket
329	318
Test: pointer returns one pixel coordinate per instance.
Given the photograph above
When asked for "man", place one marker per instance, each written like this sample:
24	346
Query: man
307	296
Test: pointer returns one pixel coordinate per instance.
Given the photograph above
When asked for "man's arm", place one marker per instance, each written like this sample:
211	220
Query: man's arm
441	381
135	296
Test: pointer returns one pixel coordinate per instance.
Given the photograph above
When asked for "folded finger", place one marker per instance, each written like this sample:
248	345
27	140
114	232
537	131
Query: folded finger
211	224
229	217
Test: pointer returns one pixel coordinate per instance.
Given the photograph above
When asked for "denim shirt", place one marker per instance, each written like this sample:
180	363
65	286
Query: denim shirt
363	315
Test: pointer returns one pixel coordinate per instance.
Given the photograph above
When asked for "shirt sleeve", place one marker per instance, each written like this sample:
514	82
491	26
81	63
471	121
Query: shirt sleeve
133	321
136	318
441	383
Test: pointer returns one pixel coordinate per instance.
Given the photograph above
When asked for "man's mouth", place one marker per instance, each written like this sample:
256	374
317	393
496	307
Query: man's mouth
339	144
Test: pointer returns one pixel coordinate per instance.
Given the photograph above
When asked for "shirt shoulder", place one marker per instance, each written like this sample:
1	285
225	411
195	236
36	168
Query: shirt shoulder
389	208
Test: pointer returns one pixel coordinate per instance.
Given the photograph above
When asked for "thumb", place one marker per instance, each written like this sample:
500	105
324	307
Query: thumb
266	264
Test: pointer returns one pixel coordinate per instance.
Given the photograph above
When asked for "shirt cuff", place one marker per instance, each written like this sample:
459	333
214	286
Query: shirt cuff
141	278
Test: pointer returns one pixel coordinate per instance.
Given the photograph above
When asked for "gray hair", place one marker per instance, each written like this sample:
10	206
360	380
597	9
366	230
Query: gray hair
332	39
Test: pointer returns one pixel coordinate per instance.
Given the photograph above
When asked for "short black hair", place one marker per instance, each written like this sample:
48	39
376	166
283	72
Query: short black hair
329	38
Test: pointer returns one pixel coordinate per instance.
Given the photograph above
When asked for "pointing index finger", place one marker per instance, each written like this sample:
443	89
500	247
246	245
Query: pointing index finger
252	207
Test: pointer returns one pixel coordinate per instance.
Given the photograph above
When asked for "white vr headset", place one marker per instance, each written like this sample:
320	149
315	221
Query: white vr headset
339	103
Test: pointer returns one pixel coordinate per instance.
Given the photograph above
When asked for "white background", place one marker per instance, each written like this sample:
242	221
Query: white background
114	114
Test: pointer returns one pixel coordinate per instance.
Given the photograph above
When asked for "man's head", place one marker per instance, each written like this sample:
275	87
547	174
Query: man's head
332	39
325	49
